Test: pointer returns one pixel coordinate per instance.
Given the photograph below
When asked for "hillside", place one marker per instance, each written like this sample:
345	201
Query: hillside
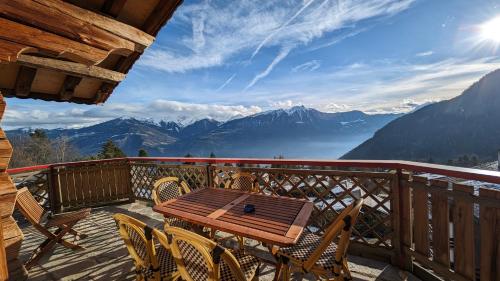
465	125
296	132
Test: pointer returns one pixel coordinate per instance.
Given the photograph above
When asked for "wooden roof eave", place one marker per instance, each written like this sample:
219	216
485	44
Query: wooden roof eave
60	51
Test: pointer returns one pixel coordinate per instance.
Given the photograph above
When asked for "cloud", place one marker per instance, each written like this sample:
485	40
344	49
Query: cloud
221	31
226	82
308	66
379	86
284	104
281	55
19	117
424	54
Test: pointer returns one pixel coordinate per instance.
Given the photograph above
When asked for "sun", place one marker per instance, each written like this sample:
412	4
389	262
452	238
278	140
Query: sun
490	30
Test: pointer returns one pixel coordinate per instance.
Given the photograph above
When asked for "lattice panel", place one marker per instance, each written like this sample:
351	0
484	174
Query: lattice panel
331	192
37	183
143	175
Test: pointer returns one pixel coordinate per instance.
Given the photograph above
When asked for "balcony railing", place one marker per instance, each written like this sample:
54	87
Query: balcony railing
428	219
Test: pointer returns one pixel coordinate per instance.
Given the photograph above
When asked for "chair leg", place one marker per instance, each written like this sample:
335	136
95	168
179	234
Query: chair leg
257	273
78	234
286	272
241	242
345	269
52	239
279	267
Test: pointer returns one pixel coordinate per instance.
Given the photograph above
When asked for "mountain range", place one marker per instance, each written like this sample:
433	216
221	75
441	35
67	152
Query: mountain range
298	132
467	125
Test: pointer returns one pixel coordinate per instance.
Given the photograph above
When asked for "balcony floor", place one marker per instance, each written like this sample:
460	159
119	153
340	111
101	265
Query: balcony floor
106	257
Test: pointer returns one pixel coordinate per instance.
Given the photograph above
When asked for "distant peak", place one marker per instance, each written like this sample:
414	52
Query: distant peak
298	108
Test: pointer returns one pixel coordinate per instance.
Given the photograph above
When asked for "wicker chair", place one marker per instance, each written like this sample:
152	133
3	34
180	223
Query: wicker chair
170	188
199	258
151	263
243	181
321	255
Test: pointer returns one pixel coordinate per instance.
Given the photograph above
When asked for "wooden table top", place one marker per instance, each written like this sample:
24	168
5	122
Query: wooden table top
277	220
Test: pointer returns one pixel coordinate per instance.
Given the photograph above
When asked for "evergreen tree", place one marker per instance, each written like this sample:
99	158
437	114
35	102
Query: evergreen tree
143	153
188	155
39	147
110	150
212	155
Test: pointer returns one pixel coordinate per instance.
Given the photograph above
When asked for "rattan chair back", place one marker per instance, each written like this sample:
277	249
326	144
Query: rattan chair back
243	181
168	188
199	258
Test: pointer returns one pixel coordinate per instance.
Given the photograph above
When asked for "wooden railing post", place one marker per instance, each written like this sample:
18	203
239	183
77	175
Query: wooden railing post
210	175
402	221
53	189
129	181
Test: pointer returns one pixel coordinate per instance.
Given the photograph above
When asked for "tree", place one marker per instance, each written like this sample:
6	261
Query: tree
143	153
36	148
63	150
39	147
110	150
188	155
212	155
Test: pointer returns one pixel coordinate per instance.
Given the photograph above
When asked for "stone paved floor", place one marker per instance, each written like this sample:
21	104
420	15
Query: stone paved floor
106	258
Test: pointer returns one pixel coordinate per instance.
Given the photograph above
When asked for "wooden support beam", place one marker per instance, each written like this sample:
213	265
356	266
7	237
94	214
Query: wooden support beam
66	25
72	68
162	12
9	50
51	43
44	96
109	24
24	79
68	87
113	7
103	93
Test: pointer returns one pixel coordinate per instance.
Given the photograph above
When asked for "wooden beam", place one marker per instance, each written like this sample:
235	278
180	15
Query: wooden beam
72	68
44	96
68	87
109	24
103	93
66	25
25	77
9	50
113	7
162	12
51	43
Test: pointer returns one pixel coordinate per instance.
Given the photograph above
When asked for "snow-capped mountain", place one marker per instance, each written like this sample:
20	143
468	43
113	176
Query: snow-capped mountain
294	132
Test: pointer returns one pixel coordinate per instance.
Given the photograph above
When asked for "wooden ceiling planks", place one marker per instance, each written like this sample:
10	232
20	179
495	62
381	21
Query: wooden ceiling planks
88	46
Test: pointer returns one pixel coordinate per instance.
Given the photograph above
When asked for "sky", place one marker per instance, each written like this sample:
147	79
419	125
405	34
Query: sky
227	59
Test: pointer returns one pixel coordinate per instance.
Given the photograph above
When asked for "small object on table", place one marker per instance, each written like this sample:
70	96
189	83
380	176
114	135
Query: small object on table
249	208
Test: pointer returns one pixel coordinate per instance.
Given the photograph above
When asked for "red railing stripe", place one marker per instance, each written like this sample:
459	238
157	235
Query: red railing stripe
450	171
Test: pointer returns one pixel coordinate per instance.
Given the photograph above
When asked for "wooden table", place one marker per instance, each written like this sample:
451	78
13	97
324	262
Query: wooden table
277	220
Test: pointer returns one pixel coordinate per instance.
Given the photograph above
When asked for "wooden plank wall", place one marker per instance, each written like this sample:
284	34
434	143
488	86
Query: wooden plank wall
12	235
91	184
456	230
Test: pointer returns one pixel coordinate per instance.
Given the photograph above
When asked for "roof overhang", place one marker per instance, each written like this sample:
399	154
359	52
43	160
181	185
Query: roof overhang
74	51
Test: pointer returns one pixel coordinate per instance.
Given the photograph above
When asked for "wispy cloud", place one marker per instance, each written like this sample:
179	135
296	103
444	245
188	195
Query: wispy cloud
424	54
380	86
281	55
307	66
226	82
284	25
222	31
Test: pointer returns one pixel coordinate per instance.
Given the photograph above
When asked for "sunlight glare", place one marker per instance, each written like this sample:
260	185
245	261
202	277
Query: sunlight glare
490	30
